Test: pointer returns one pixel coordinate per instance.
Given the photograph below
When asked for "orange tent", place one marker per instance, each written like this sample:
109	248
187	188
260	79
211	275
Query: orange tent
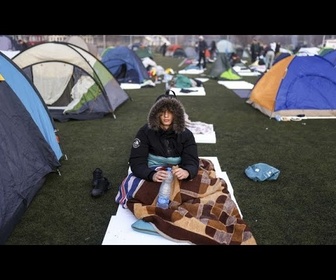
297	86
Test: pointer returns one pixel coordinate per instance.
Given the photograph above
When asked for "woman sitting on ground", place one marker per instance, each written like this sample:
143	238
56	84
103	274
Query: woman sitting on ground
164	141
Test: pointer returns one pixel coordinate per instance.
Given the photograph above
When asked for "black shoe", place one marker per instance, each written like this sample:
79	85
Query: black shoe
103	185
97	175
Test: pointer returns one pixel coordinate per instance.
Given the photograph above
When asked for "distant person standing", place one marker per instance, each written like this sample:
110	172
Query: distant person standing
196	47
22	45
269	56
213	50
255	50
164	49
277	48
202	47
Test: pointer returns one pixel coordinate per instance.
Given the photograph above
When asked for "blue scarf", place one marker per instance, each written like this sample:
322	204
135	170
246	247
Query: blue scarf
164	161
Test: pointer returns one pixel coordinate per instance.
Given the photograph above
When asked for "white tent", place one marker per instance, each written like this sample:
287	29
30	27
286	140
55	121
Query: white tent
225	46
64	74
157	40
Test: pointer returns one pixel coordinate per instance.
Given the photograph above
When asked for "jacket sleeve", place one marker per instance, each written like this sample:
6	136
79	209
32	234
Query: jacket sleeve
189	157
138	160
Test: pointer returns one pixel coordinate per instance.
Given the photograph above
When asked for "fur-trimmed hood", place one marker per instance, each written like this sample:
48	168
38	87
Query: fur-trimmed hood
172	104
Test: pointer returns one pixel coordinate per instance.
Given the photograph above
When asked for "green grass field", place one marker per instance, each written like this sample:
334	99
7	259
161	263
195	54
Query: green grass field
296	209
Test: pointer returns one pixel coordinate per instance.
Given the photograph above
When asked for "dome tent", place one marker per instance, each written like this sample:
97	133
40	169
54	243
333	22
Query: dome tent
125	65
29	148
297	86
72	82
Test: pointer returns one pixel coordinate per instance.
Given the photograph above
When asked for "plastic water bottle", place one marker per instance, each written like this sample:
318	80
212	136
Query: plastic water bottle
165	190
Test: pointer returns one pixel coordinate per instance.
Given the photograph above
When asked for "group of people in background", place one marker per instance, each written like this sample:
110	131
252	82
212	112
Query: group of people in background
265	51
9	44
201	47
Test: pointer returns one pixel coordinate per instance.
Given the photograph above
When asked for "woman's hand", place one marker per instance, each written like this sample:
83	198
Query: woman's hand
180	173
160	176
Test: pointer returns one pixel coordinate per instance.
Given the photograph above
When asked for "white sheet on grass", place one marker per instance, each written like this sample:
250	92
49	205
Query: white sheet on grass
208	138
130	86
191	71
203	132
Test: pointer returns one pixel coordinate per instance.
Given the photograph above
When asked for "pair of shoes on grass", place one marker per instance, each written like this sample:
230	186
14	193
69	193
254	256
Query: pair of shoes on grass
100	183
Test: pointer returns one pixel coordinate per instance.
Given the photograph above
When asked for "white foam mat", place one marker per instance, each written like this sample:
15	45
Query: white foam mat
249	73
236	84
245	71
191	71
195	91
120	232
203	80
130	86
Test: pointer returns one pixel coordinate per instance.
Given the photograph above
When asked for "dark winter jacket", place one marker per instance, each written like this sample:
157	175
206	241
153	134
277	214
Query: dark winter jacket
202	46
176	142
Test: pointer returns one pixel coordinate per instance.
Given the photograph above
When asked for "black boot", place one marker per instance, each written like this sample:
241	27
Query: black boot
97	175
103	185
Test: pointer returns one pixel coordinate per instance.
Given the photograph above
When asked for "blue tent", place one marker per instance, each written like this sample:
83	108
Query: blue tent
125	65
330	55
32	100
297	86
26	133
